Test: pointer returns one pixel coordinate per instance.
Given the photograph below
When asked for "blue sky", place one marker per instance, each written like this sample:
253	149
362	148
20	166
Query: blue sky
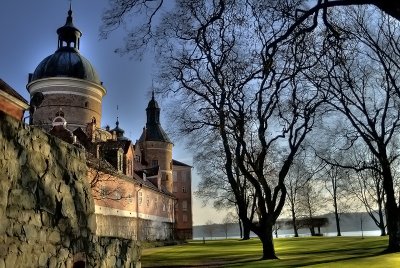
28	35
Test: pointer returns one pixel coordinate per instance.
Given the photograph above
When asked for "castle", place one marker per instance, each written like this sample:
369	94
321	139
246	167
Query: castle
139	191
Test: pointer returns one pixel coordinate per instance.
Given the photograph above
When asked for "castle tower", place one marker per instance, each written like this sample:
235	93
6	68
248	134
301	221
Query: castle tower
155	145
68	82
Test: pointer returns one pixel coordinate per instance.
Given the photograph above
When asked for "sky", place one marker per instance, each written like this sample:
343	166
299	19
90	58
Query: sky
28	35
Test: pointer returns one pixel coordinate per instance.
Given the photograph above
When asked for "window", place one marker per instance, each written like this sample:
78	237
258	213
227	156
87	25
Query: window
137	158
103	192
86	104
184	205
117	195
140	197
155	202
175	176
183	189
154	163
130	198
147	200
120	163
164	208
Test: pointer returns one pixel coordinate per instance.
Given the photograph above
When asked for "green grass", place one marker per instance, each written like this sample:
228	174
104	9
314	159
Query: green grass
292	252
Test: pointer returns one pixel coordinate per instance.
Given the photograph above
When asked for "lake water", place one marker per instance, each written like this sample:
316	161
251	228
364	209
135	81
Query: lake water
280	235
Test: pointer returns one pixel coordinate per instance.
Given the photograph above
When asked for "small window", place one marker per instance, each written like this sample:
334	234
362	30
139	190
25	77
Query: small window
147	200
155	202
86	104
184	205
140	197
103	192
154	163
183	189
130	198
117	195
175	176
164	208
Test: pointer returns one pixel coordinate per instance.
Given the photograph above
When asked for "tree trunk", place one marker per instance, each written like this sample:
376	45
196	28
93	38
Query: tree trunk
312	231
241	228
337	218
246	231
393	217
296	233
267	241
381	222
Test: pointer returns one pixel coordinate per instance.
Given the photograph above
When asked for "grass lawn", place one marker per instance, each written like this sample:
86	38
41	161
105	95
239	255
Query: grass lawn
292	252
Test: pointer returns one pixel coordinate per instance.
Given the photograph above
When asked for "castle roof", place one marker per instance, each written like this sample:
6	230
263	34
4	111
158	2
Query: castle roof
153	130
66	61
177	163
10	91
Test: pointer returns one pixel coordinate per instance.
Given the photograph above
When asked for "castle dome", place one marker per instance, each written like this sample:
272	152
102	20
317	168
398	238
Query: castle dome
66	61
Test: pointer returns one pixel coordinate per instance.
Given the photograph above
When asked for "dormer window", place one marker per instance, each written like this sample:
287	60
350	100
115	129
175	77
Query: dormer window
120	161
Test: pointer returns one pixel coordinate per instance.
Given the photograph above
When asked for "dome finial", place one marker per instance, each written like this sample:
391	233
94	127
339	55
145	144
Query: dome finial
70	7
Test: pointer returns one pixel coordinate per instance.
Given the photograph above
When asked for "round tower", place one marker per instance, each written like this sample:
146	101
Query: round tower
155	145
68	82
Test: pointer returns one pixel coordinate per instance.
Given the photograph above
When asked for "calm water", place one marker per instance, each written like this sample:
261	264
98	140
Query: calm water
280	235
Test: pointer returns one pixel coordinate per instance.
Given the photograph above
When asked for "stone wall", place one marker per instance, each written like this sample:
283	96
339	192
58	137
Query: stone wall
46	207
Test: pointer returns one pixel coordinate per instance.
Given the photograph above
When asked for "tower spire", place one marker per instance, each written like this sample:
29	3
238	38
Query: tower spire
68	35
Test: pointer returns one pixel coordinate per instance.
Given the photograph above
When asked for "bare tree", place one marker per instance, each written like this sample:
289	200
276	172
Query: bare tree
214	186
209	229
334	177
367	186
227	221
311	203
363	81
305	16
300	173
237	67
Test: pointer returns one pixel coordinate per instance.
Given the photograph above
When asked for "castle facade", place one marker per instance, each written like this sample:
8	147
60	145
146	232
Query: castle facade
139	190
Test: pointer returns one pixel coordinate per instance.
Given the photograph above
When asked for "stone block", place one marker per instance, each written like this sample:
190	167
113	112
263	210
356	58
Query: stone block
35	219
11	259
22	199
50	249
66	242
54	237
42	236
31	233
53	263
43	258
63	254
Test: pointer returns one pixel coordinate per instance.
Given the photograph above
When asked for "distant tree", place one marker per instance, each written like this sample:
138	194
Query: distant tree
335	183
209	228
367	186
300	173
227	222
311	203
